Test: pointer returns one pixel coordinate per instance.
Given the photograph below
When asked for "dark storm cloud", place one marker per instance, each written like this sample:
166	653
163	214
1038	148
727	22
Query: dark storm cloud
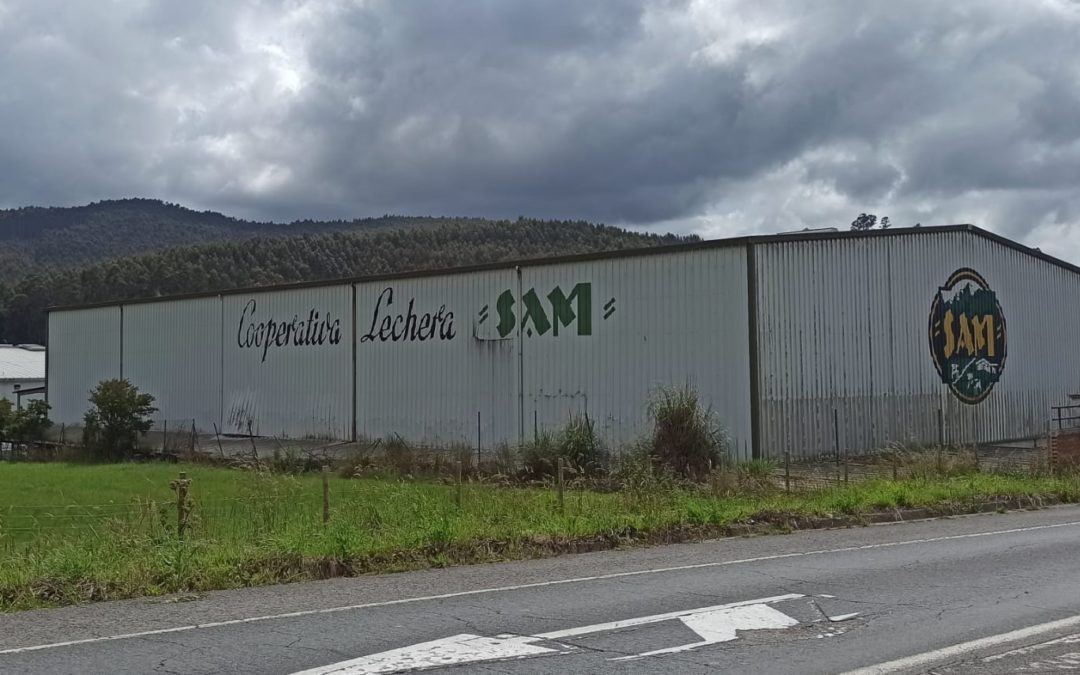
721	117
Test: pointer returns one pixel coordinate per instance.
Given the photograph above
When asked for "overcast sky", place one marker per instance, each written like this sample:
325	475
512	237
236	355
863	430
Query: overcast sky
721	118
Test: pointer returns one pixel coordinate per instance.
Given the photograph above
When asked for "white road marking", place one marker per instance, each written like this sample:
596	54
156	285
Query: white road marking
454	650
965	648
722	625
537	584
843	617
719	623
657	618
1068	639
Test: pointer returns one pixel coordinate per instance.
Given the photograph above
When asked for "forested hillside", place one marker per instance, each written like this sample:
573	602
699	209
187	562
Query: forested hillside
36	237
426	244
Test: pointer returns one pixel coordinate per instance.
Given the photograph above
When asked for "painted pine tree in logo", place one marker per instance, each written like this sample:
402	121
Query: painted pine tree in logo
967	336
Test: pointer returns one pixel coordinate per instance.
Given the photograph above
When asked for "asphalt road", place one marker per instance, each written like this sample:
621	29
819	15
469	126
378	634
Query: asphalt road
996	593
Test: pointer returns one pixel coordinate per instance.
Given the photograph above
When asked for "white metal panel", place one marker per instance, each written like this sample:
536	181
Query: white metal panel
172	350
666	320
287	363
84	349
19	363
843	330
431	362
9	389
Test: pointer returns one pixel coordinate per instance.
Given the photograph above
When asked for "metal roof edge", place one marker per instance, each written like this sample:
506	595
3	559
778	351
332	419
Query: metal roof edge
731	242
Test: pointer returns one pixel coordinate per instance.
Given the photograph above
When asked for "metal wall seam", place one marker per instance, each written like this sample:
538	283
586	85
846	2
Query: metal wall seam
843	327
661	321
753	351
354	370
172	350
287	363
434	354
82	351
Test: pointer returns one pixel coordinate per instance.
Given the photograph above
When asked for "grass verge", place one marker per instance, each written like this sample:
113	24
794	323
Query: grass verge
76	533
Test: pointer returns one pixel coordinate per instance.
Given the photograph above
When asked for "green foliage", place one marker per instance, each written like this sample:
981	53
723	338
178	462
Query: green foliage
30	423
24	425
72	533
7	415
118	415
540	456
81	252
867	221
576	443
399	455
687	439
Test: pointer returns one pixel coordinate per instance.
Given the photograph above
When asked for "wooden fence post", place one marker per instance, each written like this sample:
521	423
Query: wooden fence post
181	486
457	497
325	494
787	471
562	502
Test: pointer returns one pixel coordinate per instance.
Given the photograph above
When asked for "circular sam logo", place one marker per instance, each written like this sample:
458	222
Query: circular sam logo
967	336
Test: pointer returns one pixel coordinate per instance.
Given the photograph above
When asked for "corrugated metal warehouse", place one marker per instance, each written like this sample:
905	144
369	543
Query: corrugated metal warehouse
895	335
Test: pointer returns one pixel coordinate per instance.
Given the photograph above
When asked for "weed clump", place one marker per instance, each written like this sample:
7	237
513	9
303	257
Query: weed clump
576	444
686	438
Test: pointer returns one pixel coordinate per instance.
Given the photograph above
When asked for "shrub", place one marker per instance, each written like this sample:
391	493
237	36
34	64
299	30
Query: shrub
686	437
540	456
398	455
636	472
7	416
118	415
576	444
945	462
26	424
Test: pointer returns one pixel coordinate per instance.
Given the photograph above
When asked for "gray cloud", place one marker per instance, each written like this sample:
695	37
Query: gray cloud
719	117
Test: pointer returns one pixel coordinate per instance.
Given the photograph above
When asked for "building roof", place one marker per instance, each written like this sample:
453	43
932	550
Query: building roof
825	234
22	362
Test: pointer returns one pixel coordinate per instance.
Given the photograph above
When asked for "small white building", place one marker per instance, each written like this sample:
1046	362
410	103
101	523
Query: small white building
22	372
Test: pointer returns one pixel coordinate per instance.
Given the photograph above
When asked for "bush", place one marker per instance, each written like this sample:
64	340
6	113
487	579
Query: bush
7	416
576	444
398	455
26	424
118	415
686	438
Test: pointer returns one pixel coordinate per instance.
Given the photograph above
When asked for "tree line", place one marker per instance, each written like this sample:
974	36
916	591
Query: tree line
424	244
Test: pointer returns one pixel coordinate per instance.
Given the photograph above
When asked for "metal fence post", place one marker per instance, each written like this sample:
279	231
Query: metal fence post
217	436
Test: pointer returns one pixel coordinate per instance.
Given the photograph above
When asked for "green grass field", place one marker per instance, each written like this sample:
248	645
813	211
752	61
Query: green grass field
72	533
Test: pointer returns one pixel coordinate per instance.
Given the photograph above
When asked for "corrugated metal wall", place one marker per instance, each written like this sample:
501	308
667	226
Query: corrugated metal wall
842	326
172	350
287	363
652	321
596	337
431	362
84	348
